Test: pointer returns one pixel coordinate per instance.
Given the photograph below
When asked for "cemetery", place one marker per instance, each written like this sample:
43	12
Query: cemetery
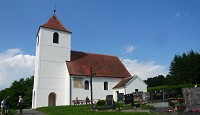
188	102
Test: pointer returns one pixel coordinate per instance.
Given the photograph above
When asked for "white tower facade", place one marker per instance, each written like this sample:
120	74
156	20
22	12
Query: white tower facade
51	79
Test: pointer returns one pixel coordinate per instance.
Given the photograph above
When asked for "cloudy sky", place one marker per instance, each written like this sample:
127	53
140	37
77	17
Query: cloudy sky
144	34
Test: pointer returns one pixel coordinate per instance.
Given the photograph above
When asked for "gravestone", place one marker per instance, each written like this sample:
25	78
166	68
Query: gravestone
120	96
192	98
129	99
145	97
109	101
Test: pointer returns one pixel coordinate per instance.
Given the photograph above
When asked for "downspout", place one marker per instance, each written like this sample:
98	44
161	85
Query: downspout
125	89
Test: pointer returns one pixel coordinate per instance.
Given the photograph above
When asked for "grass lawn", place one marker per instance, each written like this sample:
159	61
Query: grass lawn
82	110
12	112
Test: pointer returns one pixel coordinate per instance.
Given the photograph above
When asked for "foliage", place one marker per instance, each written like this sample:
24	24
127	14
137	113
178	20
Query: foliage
147	107
127	106
11	112
166	87
171	103
119	104
83	110
185	69
101	103
156	93
22	87
156	81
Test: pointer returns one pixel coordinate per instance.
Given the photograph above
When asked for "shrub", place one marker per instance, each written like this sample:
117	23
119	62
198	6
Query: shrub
119	104
101	103
171	103
128	106
147	107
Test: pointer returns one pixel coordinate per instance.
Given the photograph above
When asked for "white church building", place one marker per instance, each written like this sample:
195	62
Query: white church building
61	74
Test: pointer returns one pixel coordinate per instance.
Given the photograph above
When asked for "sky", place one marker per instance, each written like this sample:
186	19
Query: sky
144	34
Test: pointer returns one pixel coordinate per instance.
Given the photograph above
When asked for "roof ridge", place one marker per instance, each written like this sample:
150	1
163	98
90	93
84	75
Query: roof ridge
95	53
60	22
55	23
128	77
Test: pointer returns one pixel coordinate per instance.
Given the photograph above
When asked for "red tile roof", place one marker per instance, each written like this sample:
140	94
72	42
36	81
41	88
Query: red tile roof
54	23
103	65
123	82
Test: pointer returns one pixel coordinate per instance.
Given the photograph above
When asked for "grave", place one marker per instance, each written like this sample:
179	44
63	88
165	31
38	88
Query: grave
120	97
109	101
192	98
129	99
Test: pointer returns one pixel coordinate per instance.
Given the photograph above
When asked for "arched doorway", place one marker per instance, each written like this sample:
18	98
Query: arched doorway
52	99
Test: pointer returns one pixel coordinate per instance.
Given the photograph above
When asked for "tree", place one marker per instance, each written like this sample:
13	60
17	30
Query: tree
22	87
185	68
155	81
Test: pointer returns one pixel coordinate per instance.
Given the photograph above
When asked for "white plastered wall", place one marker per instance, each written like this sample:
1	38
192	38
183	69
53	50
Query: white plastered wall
98	88
136	83
120	90
51	73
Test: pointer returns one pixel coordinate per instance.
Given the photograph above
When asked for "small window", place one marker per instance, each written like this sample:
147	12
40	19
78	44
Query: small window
136	90
105	85
55	37
86	84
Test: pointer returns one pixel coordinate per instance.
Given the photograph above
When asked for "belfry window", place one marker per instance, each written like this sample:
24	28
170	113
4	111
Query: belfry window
105	85
55	37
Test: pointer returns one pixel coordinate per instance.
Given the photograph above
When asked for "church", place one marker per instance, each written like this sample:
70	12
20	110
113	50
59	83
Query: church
62	74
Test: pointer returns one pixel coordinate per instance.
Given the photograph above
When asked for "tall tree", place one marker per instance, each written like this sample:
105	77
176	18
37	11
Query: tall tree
185	68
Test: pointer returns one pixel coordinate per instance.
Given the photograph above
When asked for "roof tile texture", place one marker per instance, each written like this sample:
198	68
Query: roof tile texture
123	82
54	23
103	65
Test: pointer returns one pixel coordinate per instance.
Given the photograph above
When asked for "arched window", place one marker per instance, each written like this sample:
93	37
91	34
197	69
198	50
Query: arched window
55	37
105	85
86	84
52	99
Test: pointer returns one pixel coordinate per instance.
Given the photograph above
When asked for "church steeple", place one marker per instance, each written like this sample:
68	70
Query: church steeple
54	23
51	77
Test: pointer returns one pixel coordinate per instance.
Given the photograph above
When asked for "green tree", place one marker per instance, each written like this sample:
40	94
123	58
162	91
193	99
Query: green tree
22	87
155	81
185	69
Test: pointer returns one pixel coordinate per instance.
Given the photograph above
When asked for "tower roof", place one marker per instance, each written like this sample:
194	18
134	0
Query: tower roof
54	23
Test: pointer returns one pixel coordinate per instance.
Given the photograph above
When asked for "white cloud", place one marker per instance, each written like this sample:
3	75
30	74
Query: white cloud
178	14
15	65
10	53
182	14
144	70
130	49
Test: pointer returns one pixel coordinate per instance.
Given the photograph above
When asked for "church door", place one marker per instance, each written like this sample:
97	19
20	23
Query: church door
52	99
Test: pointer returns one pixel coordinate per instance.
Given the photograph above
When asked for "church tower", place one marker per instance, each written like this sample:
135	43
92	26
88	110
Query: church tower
52	80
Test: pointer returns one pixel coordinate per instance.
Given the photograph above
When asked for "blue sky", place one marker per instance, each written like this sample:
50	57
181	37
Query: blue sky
144	34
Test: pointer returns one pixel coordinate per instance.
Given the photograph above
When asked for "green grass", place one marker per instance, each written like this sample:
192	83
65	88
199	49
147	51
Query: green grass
11	112
82	110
